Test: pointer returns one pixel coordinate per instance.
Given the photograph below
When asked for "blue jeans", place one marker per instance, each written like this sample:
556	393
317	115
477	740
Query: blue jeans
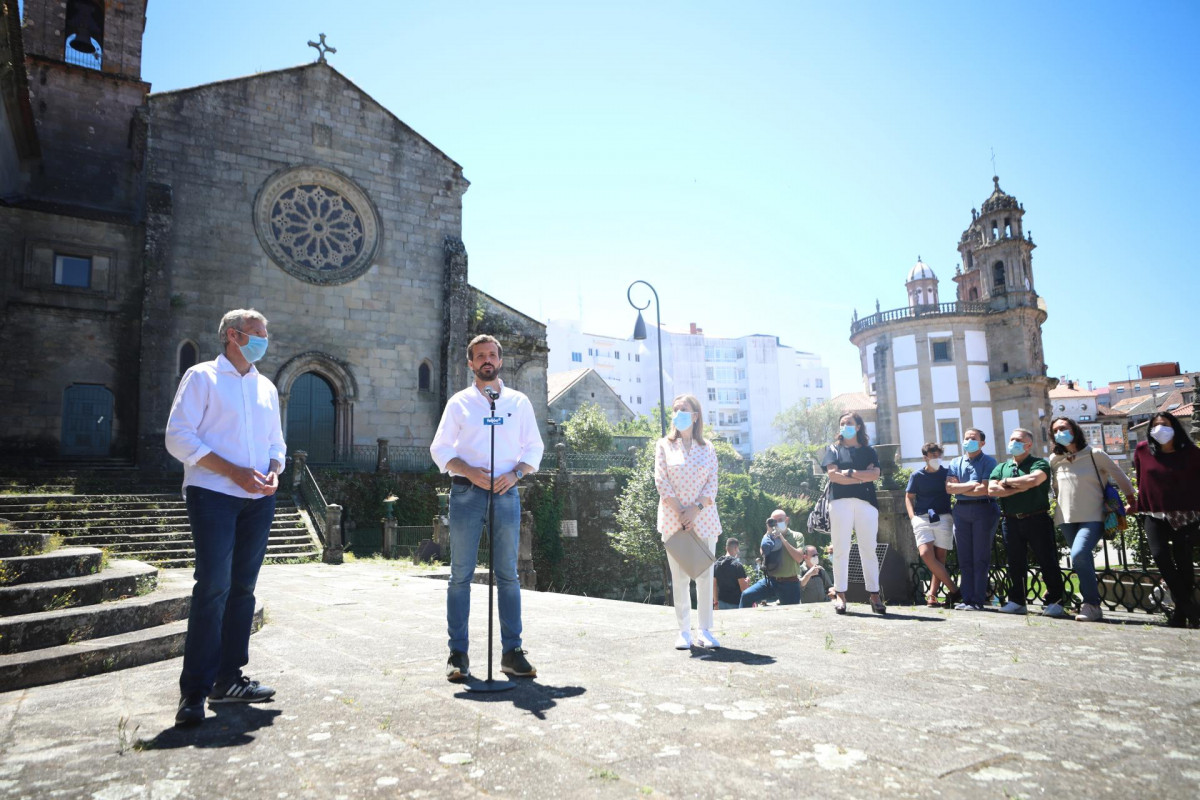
723	606
769	589
468	515
230	537
974	530
1083	537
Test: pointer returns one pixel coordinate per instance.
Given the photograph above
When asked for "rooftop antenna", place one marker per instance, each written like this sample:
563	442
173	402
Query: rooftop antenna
993	150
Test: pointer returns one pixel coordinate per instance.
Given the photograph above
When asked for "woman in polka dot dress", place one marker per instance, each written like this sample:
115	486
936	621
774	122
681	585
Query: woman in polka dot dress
685	473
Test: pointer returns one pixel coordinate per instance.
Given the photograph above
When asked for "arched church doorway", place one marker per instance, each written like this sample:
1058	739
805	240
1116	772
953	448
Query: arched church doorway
86	420
311	418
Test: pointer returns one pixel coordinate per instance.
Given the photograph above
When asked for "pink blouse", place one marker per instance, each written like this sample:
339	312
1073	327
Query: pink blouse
687	475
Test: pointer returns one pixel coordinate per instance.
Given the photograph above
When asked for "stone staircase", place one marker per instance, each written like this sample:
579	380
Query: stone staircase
70	612
150	527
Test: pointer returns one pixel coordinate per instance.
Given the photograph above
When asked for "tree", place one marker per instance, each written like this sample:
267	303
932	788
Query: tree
588	430
784	469
645	425
809	427
637	536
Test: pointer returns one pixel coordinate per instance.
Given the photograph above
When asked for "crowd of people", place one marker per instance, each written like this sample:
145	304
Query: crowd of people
951	506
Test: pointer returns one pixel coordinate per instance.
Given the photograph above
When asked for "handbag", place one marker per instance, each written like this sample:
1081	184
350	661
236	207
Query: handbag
818	518
690	552
1114	509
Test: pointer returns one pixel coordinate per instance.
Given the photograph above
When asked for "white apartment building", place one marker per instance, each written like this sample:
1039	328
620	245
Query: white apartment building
743	383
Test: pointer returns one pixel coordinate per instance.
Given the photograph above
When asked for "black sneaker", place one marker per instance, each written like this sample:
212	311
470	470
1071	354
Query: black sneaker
458	666
243	690
514	663
191	710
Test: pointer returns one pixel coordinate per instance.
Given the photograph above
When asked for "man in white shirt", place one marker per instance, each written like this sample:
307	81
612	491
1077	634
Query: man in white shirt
224	426
461	447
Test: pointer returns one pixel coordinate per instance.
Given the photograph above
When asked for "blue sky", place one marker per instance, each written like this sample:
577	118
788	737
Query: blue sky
770	167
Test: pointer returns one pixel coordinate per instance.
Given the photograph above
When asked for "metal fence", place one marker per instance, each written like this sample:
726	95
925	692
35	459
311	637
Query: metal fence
365	458
1126	585
588	462
313	501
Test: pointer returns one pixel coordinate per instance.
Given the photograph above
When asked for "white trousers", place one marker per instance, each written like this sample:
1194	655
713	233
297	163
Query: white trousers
681	589
850	514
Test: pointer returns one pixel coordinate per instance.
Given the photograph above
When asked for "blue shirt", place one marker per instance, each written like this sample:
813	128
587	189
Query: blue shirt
965	469
929	489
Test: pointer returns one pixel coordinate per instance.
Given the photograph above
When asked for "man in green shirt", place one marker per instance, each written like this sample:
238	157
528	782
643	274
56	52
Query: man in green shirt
1022	485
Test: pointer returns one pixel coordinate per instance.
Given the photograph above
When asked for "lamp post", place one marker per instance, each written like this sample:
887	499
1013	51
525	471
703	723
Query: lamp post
639	334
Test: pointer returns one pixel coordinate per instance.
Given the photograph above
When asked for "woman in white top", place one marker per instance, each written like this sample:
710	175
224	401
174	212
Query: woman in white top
685	474
1079	474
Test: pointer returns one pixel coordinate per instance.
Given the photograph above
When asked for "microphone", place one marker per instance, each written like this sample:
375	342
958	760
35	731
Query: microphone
492	394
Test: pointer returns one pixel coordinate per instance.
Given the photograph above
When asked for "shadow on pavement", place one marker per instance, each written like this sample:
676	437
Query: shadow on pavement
228	726
528	695
892	615
729	655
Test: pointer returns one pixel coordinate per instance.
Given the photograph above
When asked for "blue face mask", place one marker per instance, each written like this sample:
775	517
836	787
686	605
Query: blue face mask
1016	448
971	445
848	431
682	420
254	348
1064	437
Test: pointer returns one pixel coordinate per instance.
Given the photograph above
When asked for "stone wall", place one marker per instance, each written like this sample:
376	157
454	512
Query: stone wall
215	147
523	340
590	388
55	336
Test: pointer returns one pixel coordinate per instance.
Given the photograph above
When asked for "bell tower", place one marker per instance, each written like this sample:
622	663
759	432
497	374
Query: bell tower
84	61
997	254
922	286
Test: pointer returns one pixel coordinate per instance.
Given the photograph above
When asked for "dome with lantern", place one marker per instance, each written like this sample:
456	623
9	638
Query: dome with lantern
920	271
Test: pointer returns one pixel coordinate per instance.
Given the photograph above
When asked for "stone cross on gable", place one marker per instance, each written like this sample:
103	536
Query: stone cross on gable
322	49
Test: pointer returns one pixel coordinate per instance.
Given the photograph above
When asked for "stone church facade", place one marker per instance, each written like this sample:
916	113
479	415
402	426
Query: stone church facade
132	221
936	369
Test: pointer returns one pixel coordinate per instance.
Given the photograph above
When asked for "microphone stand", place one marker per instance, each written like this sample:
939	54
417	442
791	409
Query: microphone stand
491	685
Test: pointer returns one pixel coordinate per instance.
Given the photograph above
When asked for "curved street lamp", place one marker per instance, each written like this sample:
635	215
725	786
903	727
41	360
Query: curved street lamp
639	334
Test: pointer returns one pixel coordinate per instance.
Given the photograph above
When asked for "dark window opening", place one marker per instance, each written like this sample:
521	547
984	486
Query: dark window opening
998	275
83	40
73	271
970	261
973	294
1004	367
423	378
941	350
187	357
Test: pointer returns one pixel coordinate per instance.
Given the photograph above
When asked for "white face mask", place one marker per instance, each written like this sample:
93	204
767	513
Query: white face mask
1162	433
933	463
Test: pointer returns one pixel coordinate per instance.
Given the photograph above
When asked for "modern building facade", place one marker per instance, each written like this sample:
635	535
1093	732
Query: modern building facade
938	368
743	383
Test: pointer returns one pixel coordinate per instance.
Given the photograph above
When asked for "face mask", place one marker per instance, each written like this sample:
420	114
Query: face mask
1016	448
971	445
933	463
682	420
781	526
848	431
1064	437
254	348
1162	433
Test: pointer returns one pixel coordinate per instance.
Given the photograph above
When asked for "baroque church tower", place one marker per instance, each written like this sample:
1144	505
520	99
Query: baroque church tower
935	369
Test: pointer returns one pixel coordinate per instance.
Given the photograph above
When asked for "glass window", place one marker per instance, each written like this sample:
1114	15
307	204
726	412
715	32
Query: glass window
617	353
577	357
941	350
712	394
73	271
820	383
948	430
423	378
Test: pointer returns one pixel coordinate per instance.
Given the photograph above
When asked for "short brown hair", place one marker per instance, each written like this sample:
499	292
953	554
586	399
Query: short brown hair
481	339
931	447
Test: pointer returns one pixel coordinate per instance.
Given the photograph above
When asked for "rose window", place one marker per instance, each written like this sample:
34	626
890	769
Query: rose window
317	225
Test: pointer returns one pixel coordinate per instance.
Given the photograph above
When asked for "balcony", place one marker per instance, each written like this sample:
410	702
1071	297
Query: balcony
920	312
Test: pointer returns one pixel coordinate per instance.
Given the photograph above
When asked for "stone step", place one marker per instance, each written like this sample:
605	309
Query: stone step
73	527
116	541
115	508
66	562
272	558
66	626
121	579
147	549
160	555
23	544
92	657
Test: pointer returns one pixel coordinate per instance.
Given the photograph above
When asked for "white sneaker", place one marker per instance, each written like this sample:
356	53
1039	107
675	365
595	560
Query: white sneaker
1012	608
1089	613
684	641
962	607
1054	610
706	639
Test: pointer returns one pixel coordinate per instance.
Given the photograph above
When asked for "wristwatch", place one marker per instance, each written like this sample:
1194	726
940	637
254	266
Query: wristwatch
850	472
518	473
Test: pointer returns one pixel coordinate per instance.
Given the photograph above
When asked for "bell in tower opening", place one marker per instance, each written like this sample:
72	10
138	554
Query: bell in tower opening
85	25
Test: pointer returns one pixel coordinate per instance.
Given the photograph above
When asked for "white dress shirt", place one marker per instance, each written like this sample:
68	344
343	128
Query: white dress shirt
217	410
462	432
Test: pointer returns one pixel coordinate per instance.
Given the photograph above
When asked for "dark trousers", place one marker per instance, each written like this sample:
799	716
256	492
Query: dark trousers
230	536
1034	533
1172	552
787	592
974	530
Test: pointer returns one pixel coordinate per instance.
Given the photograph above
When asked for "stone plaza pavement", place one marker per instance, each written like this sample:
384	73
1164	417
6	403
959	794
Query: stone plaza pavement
799	702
